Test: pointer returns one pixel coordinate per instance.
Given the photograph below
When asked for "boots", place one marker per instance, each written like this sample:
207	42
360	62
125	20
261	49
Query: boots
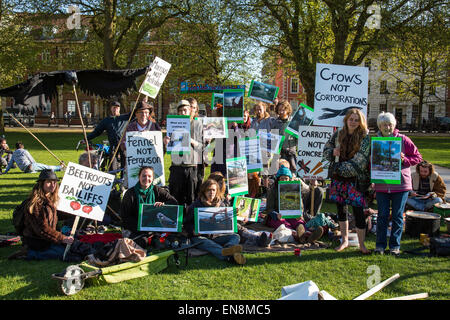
361	237
315	235
343	226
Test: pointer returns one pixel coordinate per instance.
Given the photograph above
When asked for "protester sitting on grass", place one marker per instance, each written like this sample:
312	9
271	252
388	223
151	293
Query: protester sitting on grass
5	154
428	188
223	246
26	162
247	237
40	238
297	225
144	192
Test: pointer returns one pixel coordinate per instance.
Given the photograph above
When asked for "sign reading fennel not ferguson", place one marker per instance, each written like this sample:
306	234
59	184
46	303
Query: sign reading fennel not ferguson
338	89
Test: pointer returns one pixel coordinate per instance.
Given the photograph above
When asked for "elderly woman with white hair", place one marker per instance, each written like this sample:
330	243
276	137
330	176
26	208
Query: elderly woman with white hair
390	195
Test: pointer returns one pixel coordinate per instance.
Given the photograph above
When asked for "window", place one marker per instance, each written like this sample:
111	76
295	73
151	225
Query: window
149	58
399	87
432	90
71	106
45	56
85	107
383	87
431	110
368	63
416	85
415	111
383	107
294	85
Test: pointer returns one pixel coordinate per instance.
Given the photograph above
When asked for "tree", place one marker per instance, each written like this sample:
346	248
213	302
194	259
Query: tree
305	32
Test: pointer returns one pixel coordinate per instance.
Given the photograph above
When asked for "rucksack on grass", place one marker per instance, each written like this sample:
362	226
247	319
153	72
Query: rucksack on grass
18	217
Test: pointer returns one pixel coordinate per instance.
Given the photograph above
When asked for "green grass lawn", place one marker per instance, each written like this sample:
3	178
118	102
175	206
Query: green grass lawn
434	149
344	275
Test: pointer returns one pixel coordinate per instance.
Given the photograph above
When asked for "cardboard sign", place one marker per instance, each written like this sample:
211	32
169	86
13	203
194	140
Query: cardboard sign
386	162
270	142
250	148
302	117
144	149
233	105
213	220
310	161
214	128
155	77
262	91
216	100
167	218
338	89
246	208
237	176
290	199
179	132
84	191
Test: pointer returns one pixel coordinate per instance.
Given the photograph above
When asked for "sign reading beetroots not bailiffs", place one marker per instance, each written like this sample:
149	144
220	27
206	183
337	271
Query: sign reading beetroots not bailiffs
84	191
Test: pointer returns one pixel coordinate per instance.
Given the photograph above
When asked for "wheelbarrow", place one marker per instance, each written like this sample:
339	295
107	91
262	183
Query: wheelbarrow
72	279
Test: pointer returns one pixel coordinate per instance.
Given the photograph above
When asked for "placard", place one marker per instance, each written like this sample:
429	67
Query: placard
84	191
237	176
262	91
166	218
155	77
233	105
216	100
302	117
144	149
290	199
214	128
250	148
338	89
246	208
386	162
310	161
179	132
270	142
215	220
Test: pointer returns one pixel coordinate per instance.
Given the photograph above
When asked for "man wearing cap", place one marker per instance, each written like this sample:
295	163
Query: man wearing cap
114	126
183	171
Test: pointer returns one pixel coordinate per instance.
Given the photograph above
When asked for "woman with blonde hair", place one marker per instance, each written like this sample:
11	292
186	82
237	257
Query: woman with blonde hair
41	239
348	152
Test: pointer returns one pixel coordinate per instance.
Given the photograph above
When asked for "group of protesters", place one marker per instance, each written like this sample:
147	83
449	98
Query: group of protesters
348	151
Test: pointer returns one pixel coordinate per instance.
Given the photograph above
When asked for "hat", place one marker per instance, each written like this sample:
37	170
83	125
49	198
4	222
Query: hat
283	171
115	104
183	103
142	105
47	174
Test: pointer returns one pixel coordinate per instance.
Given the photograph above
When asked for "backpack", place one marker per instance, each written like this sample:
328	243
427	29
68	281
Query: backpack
18	217
440	246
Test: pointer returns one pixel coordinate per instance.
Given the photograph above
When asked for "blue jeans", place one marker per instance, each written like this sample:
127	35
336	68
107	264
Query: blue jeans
215	246
423	205
385	201
40	166
55	251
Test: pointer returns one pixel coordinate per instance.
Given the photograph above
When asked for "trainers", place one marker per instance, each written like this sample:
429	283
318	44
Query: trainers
315	235
239	258
263	240
378	251
229	251
394	252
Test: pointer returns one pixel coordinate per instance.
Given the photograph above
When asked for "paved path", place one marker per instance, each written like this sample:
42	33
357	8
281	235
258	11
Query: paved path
445	174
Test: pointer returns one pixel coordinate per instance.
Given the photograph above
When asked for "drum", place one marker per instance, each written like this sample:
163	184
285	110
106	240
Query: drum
418	222
443	209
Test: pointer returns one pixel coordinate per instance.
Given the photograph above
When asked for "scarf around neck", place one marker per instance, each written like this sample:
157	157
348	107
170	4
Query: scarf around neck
144	196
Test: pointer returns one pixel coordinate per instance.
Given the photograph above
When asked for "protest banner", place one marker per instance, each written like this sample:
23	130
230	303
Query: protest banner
213	220
144	149
262	91
155	77
302	117
290	199
179	132
84	192
310	161
339	88
214	128
187	87
237	176
250	148
385	159
166	218
233	105
246	208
